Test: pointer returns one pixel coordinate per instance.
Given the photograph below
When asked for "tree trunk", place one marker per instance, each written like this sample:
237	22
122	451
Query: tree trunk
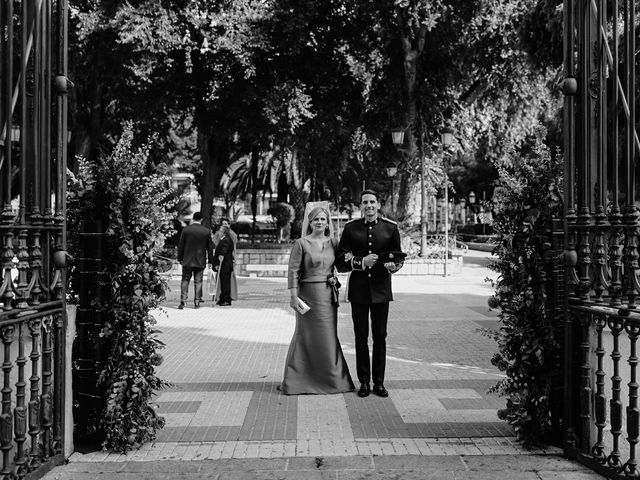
296	195
254	191
283	188
213	152
412	49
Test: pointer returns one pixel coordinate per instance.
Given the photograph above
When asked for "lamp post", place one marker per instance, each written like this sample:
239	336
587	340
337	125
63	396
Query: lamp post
463	211
391	173
447	140
483	218
472	202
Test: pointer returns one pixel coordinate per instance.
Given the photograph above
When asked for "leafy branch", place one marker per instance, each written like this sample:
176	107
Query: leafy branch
528	336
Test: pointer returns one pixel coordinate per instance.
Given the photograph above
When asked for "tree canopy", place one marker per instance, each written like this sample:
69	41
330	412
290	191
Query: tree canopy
316	87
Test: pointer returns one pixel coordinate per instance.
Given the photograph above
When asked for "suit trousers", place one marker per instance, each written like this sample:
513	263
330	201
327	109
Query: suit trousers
379	315
197	273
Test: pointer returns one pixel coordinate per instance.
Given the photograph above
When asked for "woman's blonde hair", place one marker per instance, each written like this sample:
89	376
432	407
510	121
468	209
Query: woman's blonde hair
314	213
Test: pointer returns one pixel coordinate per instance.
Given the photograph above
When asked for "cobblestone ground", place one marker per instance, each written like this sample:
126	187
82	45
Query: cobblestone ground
226	419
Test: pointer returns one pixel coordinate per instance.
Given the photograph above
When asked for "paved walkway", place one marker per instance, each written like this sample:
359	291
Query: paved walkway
226	419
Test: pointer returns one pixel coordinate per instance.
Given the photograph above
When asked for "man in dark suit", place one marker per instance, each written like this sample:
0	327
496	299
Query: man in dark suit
194	248
370	249
223	264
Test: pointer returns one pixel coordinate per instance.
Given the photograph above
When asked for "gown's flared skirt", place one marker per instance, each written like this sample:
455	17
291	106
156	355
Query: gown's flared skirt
315	362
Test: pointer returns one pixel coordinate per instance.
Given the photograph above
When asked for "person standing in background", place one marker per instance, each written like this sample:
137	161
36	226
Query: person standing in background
223	264
194	249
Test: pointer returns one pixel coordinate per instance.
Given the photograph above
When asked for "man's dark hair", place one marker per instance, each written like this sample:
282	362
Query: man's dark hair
225	219
197	216
368	191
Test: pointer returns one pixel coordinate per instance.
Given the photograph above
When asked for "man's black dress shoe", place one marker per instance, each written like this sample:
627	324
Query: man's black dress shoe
181	306
224	304
380	391
364	390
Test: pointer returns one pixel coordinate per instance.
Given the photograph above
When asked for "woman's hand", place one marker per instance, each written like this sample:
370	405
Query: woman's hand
293	302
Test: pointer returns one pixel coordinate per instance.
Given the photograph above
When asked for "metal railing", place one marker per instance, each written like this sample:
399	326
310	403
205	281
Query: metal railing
601	286
33	143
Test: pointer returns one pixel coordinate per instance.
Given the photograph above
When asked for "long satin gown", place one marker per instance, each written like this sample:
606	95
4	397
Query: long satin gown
315	362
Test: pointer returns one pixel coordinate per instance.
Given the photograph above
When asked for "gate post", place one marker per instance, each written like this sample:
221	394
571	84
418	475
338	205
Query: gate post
556	308
89	348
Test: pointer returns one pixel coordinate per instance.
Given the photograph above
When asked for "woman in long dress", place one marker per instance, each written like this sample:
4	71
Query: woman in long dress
315	363
216	237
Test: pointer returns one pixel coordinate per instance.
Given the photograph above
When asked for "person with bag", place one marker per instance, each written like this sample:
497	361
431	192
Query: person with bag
194	248
315	363
223	264
370	250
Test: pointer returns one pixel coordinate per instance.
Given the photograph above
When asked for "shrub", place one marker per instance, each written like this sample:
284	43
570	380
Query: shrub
283	213
129	196
528	335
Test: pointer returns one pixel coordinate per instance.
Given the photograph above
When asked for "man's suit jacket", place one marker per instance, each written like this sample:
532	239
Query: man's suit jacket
225	249
359	238
195	246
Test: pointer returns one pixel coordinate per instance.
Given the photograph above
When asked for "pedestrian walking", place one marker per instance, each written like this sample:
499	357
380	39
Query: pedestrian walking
194	249
223	264
370	250
315	363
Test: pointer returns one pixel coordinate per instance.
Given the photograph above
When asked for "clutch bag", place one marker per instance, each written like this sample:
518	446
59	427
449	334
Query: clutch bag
301	306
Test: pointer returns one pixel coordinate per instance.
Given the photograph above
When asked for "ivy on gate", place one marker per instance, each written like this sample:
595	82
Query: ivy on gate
526	202
132	199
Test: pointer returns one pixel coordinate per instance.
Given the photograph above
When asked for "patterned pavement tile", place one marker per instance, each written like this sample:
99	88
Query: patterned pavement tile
247	411
323	416
425	405
270	416
165	407
225	363
215	409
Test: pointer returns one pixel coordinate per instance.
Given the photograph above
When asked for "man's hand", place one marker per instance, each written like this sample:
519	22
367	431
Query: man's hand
392	267
370	260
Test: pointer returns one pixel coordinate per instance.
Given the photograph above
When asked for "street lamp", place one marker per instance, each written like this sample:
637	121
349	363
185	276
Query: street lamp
397	136
472	202
446	136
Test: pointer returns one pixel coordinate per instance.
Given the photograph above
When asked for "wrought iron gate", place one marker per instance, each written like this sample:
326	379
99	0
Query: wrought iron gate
33	143
602	319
